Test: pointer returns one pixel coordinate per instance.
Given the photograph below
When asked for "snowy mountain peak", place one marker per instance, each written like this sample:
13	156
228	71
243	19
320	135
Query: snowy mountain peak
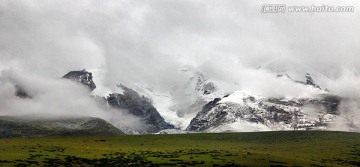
84	77
240	109
139	106
308	80
204	86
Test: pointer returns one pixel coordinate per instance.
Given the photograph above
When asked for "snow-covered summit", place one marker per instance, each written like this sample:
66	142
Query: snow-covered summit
84	77
181	103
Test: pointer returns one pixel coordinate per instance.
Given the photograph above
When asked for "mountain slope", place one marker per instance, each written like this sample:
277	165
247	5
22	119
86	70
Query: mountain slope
27	126
83	77
182	102
239	110
139	106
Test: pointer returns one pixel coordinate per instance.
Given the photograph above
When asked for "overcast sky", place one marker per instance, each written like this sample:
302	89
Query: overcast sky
149	41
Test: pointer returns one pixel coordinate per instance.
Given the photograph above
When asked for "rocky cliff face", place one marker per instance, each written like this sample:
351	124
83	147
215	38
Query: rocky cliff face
139	106
83	77
309	81
129	100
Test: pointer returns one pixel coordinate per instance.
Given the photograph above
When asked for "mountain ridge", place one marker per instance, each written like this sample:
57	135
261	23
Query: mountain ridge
30	126
212	110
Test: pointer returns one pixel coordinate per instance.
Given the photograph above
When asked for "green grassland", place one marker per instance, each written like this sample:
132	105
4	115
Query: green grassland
286	148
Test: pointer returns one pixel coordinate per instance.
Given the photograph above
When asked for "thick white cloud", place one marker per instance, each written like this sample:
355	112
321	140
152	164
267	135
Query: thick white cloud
56	98
136	40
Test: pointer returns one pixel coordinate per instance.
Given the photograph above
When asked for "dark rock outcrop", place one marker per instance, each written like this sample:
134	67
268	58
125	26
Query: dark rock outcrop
309	81
139	106
197	123
84	77
20	92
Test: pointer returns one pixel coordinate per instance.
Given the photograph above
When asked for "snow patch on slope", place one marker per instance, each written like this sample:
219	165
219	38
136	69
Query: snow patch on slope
166	106
239	126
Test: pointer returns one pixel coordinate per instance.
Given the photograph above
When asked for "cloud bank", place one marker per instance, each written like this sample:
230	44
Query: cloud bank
61	98
135	40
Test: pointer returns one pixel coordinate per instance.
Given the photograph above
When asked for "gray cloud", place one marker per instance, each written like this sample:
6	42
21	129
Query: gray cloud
130	39
56	98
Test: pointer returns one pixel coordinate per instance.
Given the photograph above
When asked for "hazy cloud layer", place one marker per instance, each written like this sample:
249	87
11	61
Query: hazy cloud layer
56	98
136	40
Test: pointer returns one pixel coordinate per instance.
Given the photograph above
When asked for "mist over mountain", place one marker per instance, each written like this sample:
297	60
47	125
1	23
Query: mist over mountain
180	56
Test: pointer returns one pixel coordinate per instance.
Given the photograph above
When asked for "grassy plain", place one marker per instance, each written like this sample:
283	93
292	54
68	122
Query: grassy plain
285	148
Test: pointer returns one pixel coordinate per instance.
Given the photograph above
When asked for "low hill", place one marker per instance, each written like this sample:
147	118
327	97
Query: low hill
30	127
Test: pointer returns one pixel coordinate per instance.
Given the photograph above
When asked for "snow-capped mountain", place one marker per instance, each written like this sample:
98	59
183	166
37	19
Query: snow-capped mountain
240	111
139	106
212	110
125	99
84	77
125	102
180	104
200	105
244	111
